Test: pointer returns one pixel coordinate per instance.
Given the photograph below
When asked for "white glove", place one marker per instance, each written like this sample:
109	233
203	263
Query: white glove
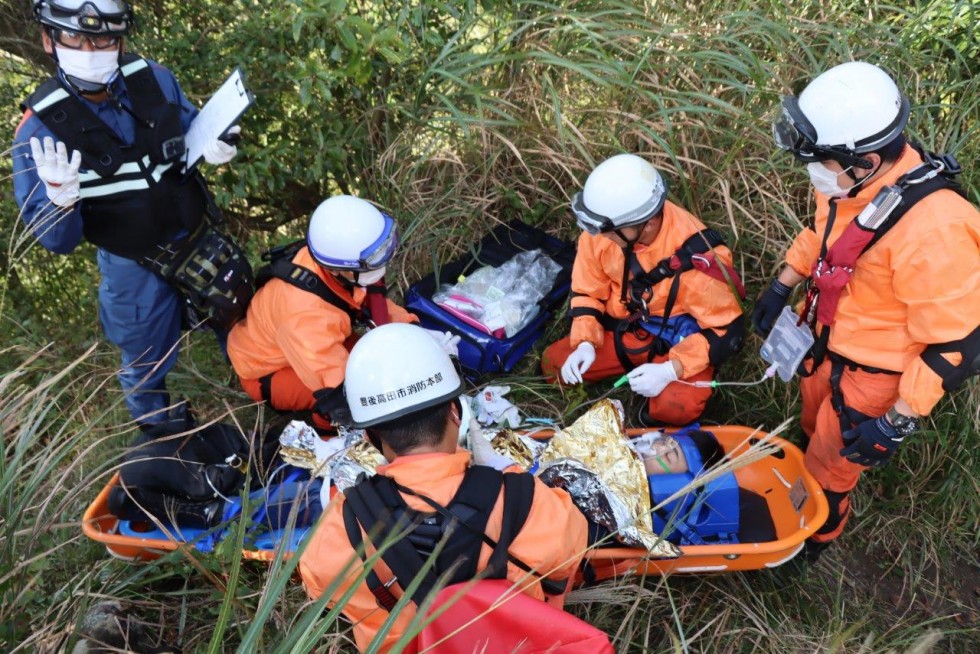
578	363
447	340
483	452
59	174
493	408
218	152
650	379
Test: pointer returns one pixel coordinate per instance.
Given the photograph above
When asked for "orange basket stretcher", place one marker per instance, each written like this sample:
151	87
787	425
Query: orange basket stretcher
794	500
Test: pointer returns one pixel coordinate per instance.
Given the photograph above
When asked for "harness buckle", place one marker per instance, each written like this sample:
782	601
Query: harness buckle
384	596
700	262
809	306
237	462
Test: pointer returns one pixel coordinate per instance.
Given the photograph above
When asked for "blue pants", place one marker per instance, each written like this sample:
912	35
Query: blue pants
141	315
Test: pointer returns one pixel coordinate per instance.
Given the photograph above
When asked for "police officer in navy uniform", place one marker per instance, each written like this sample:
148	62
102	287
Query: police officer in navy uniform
98	155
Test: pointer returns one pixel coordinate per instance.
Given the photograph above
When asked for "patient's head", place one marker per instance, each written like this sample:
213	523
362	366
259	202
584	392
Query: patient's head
663	454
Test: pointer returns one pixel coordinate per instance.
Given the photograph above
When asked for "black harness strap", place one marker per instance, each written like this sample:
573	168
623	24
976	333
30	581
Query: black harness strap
954	376
377	504
405	563
642	282
307	280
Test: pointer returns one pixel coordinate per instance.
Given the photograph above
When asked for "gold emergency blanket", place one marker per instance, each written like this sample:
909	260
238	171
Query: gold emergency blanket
341	460
612	472
522	449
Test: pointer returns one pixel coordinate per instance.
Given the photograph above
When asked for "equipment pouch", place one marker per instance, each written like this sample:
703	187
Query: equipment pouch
167	144
787	344
212	272
217	279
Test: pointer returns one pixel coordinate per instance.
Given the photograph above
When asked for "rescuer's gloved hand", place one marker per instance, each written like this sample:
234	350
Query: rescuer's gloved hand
650	379
220	151
448	341
58	173
769	305
483	452
578	363
872	443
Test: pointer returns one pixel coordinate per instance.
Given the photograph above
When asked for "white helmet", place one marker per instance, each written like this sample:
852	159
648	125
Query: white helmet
851	109
112	17
397	369
622	191
348	233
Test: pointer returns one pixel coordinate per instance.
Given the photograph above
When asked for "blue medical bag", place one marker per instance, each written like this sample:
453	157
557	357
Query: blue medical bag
707	515
479	352
674	329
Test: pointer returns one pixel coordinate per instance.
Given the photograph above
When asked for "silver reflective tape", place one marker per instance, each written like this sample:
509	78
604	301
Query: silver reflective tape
125	169
133	67
52	98
112	189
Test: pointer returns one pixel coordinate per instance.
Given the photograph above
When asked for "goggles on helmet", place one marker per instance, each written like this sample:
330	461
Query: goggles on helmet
793	132
88	16
594	223
372	257
75	40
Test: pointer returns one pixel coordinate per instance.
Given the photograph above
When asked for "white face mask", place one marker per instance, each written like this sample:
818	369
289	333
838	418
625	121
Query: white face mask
824	180
370	277
98	67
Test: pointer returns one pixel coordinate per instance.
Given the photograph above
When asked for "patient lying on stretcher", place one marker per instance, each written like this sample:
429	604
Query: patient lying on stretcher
717	512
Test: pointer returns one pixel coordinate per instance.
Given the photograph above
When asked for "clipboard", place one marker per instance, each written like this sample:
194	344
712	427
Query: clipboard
223	110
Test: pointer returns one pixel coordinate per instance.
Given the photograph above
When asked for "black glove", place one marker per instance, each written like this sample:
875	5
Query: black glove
331	403
871	443
768	306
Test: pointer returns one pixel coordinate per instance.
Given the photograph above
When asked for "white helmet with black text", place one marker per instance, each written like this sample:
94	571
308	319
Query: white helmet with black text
852	109
397	369
622	191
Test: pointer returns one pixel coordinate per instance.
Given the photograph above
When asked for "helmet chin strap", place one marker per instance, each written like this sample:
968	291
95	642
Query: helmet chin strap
859	183
628	257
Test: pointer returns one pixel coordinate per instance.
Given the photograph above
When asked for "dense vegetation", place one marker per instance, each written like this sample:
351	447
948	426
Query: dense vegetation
456	116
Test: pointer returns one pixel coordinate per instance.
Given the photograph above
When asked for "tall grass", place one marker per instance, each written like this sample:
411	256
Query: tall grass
505	122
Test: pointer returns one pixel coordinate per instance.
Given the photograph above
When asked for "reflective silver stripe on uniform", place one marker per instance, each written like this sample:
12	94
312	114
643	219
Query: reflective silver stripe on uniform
129	168
111	189
134	66
50	99
160	170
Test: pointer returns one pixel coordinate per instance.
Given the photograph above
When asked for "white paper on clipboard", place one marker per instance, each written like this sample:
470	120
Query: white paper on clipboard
222	111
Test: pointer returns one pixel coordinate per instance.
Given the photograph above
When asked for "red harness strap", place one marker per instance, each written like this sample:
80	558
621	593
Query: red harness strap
377	304
832	272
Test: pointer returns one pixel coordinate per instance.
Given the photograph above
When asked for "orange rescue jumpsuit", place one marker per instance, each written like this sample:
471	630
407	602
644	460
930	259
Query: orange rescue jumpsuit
596	284
293	342
919	285
552	541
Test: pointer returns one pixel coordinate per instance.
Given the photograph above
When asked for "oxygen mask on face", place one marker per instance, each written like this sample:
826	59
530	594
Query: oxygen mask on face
787	344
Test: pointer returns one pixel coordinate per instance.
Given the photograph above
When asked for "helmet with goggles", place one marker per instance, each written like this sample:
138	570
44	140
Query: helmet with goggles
847	111
622	191
348	233
104	17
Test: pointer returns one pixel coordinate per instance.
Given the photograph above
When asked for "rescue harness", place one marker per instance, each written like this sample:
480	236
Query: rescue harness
693	254
279	265
833	269
455	533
